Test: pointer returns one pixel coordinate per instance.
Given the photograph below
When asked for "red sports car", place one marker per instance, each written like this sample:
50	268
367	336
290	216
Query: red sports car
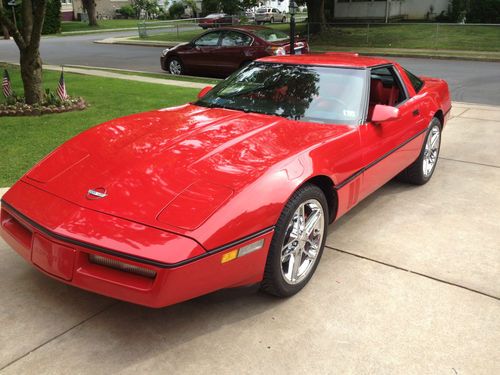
233	189
221	52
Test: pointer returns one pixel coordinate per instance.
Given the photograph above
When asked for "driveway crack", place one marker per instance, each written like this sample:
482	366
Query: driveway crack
59	335
414	272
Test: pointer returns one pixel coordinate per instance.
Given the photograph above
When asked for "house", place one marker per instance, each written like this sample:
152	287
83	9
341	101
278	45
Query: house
281	5
67	10
389	9
105	9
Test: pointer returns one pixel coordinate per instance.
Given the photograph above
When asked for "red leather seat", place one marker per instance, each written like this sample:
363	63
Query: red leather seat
376	92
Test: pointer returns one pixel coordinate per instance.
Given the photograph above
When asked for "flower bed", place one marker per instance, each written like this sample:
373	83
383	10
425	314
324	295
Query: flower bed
19	108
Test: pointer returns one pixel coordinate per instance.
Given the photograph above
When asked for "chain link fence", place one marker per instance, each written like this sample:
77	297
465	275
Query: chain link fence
436	36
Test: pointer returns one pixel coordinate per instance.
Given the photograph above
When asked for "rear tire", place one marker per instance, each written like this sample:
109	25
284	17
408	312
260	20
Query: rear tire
297	243
271	20
283	20
422	169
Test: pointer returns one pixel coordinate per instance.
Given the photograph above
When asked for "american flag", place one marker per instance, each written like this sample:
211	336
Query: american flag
61	88
6	86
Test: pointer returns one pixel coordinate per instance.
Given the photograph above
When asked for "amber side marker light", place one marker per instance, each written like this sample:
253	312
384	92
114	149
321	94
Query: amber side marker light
236	253
125	267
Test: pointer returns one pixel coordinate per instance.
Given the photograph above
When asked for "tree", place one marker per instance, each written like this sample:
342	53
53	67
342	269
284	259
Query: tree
315	14
191	4
176	10
89	6
27	38
4	28
210	6
150	8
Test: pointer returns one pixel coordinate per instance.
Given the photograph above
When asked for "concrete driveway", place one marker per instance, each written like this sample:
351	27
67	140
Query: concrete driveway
409	283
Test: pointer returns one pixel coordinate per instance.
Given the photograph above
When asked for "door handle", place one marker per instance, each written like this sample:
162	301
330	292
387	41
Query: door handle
416	112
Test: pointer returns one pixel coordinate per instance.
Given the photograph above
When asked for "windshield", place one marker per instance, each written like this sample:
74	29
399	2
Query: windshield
298	92
262	10
270	35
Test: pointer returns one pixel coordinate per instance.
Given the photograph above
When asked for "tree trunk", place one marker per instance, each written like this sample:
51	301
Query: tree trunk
27	39
5	31
31	73
91	11
316	15
89	6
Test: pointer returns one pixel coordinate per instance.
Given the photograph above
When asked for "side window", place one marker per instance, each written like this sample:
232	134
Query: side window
235	39
416	82
210	39
385	87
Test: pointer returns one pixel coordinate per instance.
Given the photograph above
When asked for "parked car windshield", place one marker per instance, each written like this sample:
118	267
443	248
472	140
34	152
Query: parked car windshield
262	10
298	92
270	35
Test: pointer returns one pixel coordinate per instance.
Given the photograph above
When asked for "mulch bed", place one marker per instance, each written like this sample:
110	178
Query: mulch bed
22	109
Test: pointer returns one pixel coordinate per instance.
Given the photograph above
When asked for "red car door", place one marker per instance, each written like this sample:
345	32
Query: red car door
234	50
200	58
392	145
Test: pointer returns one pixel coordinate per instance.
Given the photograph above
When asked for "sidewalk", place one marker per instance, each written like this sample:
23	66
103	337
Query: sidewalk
408	283
138	78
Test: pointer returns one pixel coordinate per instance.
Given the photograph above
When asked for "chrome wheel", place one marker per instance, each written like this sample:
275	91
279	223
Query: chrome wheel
175	67
302	242
431	151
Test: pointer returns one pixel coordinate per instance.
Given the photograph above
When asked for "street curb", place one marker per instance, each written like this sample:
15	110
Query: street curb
136	43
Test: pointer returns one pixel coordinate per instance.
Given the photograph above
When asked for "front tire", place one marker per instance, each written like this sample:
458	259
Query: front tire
298	242
422	169
175	66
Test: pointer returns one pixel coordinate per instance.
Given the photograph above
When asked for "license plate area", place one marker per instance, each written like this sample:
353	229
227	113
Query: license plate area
58	260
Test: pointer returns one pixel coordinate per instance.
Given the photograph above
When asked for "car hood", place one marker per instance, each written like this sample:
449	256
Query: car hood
172	168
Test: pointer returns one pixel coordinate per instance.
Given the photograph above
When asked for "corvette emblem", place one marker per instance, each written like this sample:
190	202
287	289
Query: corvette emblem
96	193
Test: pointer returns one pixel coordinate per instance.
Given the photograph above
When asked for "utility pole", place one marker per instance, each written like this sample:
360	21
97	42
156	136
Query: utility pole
387	10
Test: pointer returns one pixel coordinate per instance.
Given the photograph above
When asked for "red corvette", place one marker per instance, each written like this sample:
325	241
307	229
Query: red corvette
234	189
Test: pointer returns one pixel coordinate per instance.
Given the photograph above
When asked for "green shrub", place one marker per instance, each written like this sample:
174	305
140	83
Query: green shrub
176	10
127	11
476	11
52	22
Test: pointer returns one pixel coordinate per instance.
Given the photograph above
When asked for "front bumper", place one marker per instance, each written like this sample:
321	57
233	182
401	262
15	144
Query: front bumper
43	240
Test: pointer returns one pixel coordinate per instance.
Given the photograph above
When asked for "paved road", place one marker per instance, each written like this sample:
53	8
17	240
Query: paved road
474	82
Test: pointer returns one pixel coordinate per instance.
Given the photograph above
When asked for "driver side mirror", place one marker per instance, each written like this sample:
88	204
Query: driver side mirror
383	113
204	91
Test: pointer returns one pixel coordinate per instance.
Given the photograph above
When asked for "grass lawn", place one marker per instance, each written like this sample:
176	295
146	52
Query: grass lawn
412	36
25	140
415	36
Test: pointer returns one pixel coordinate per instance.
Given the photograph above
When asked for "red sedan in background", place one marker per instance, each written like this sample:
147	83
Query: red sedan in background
221	52
233	189
218	20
